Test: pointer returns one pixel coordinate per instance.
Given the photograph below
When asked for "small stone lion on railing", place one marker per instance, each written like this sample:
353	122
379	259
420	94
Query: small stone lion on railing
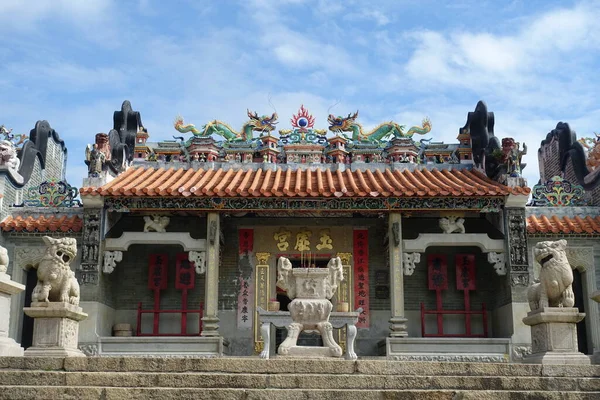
56	281
556	277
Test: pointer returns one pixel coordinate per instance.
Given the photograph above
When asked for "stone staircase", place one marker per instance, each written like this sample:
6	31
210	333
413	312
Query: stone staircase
132	378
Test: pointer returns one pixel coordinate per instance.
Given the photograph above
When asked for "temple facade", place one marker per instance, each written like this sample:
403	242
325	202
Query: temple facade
179	241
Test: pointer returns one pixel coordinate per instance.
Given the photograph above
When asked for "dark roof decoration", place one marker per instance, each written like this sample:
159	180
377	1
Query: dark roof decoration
480	127
126	124
571	150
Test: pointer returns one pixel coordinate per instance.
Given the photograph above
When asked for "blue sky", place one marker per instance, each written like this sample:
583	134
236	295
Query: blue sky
73	63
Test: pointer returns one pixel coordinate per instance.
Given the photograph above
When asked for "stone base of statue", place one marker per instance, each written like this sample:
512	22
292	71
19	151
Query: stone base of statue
554	336
8	347
55	329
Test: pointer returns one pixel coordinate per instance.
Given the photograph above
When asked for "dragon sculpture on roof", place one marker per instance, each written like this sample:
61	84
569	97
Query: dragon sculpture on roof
381	132
260	124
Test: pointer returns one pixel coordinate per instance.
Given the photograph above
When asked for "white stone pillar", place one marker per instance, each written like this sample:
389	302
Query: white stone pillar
398	321
210	320
8	347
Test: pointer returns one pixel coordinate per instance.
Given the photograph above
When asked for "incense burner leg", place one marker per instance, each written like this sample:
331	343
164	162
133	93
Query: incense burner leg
293	330
350	336
326	330
265	331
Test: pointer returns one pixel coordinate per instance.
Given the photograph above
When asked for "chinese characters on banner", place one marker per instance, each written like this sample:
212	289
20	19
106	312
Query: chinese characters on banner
185	278
361	275
465	272
157	271
246	292
437	272
246	240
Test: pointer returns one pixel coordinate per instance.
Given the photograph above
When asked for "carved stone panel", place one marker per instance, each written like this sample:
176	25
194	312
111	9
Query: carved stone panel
90	248
517	247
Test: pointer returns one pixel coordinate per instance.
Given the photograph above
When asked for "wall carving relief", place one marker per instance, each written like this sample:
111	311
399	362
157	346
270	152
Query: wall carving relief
517	247
111	258
409	261
90	249
452	224
199	260
156	223
499	261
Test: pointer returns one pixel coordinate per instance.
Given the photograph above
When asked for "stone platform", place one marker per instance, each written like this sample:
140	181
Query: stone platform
198	346
133	378
447	349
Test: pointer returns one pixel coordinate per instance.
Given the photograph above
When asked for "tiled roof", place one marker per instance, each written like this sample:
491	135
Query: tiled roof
563	224
42	224
161	182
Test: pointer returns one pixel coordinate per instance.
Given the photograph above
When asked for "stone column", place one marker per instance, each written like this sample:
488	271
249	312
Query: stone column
398	321
8	347
210	320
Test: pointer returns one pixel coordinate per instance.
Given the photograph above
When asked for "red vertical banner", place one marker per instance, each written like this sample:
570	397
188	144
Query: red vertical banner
361	275
185	277
246	240
465	272
157	271
437	271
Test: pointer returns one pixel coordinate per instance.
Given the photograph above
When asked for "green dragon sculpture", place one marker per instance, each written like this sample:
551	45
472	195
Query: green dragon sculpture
260	124
379	133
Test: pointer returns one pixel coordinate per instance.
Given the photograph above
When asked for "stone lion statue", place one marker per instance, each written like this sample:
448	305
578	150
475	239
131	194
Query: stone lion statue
156	223
56	281
556	277
8	155
452	224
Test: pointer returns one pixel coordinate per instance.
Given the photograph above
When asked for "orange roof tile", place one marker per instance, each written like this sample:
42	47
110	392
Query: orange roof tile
42	224
556	225
161	182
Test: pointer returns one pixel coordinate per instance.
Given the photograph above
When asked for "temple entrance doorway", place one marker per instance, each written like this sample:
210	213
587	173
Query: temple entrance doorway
580	304
27	328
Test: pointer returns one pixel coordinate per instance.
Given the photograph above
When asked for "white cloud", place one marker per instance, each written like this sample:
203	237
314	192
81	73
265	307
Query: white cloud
451	57
28	12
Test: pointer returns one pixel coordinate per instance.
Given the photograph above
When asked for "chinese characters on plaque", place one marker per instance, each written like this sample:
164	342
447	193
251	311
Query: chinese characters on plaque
157	271
303	238
361	275
245	294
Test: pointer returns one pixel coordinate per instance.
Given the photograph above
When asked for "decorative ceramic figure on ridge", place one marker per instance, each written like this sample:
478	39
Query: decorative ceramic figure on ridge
256	123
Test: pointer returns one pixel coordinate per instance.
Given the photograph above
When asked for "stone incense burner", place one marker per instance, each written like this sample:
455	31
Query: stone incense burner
310	289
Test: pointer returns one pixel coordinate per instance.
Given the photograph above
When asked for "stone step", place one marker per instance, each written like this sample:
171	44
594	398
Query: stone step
100	393
291	366
293	381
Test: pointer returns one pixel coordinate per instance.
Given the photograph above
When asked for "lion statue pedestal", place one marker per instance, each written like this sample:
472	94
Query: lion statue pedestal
55	303
8	347
553	319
